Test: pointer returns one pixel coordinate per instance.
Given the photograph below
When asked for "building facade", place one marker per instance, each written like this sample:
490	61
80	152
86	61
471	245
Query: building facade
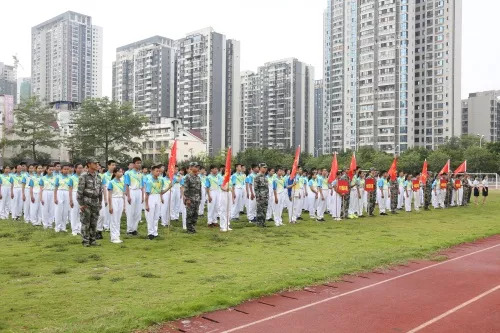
380	57
8	80
481	115
144	75
64	64
318	116
24	89
278	106
208	87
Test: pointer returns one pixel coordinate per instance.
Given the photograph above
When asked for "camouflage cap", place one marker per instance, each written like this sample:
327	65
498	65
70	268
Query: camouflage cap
92	160
194	164
262	165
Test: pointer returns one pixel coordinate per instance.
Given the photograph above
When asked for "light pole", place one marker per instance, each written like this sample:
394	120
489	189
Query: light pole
396	150
481	137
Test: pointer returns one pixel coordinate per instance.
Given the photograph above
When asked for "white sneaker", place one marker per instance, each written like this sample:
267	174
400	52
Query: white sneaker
223	230
117	241
229	229
74	233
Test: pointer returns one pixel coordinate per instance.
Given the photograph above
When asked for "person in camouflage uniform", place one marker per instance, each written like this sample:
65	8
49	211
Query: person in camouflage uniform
428	191
394	195
449	192
192	196
89	197
372	196
346	197
467	190
261	195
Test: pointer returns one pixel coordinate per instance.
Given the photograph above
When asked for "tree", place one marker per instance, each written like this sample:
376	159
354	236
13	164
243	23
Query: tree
481	160
410	162
104	129
33	128
437	159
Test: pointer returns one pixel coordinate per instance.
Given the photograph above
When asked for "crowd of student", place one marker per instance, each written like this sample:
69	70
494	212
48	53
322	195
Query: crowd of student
47	195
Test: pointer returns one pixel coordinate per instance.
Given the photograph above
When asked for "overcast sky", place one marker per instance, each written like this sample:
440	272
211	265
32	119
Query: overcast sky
267	29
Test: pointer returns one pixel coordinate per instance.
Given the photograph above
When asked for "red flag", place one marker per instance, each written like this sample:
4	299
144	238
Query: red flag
461	168
393	172
295	163
172	161
425	174
446	168
353	166
228	168
334	169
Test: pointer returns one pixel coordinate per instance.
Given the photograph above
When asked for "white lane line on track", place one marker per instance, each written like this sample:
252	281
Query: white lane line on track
455	309
352	291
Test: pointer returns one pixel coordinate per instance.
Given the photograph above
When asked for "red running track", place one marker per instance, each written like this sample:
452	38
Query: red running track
461	294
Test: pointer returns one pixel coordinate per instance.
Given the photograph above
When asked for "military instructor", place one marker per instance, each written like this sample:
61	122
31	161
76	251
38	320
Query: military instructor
89	197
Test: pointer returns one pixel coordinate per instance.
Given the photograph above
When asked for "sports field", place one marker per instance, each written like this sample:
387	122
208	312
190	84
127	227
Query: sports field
50	283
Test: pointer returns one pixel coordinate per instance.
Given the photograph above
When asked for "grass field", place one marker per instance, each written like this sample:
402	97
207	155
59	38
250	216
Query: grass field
50	283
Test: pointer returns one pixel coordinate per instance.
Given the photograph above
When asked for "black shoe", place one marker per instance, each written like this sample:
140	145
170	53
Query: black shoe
135	233
86	244
321	220
299	218
95	244
98	235
191	231
151	237
383	213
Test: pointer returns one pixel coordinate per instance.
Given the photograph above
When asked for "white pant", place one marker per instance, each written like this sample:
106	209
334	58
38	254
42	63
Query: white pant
239	202
270	206
336	209
251	208
153	215
35	208
312	203
442	197
48	208
183	213
408	200
401	197
17	203
5	202
296	206
74	216
435	200
382	202
322	203
353	202
416	200
115	218
460	196
226	204
453	197
134	210
278	207
104	217
363	202
165	209
27	204
213	207
201	209
62	210
175	209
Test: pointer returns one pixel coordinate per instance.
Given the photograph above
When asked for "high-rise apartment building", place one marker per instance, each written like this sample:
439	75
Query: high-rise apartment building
8	80
278	106
375	53
208	87
144	75
438	61
318	116
97	42
23	89
62	58
481	115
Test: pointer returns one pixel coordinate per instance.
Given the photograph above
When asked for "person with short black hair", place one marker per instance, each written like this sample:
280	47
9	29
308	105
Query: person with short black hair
484	188
74	214
134	198
47	186
5	193
116	201
34	197
16	194
154	188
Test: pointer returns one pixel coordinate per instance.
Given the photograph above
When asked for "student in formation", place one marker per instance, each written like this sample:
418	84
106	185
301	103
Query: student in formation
337	198
408	192
271	175
280	196
251	203
442	190
383	193
176	195
203	176
5	193
402	190
61	199
104	216
16	193
34	196
416	188
296	197
313	195
184	172
363	202
116	202
167	199
323	191
154	186
238	183
484	188
227	200
212	186
27	173
133	188
47	186
74	214
475	186
304	181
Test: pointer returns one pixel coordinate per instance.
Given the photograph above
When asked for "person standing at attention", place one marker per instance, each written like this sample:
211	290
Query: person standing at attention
192	197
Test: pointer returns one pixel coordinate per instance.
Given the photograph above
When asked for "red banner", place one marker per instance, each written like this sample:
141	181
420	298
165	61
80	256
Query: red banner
393	172
227	174
442	183
334	169
445	169
352	167
172	161
415	185
458	184
462	168
342	186
295	163
370	185
425	174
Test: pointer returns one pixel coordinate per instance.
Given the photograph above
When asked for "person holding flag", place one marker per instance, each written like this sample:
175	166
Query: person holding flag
238	183
336	209
227	196
323	189
394	186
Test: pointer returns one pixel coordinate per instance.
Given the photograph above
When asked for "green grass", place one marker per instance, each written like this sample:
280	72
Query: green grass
50	283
